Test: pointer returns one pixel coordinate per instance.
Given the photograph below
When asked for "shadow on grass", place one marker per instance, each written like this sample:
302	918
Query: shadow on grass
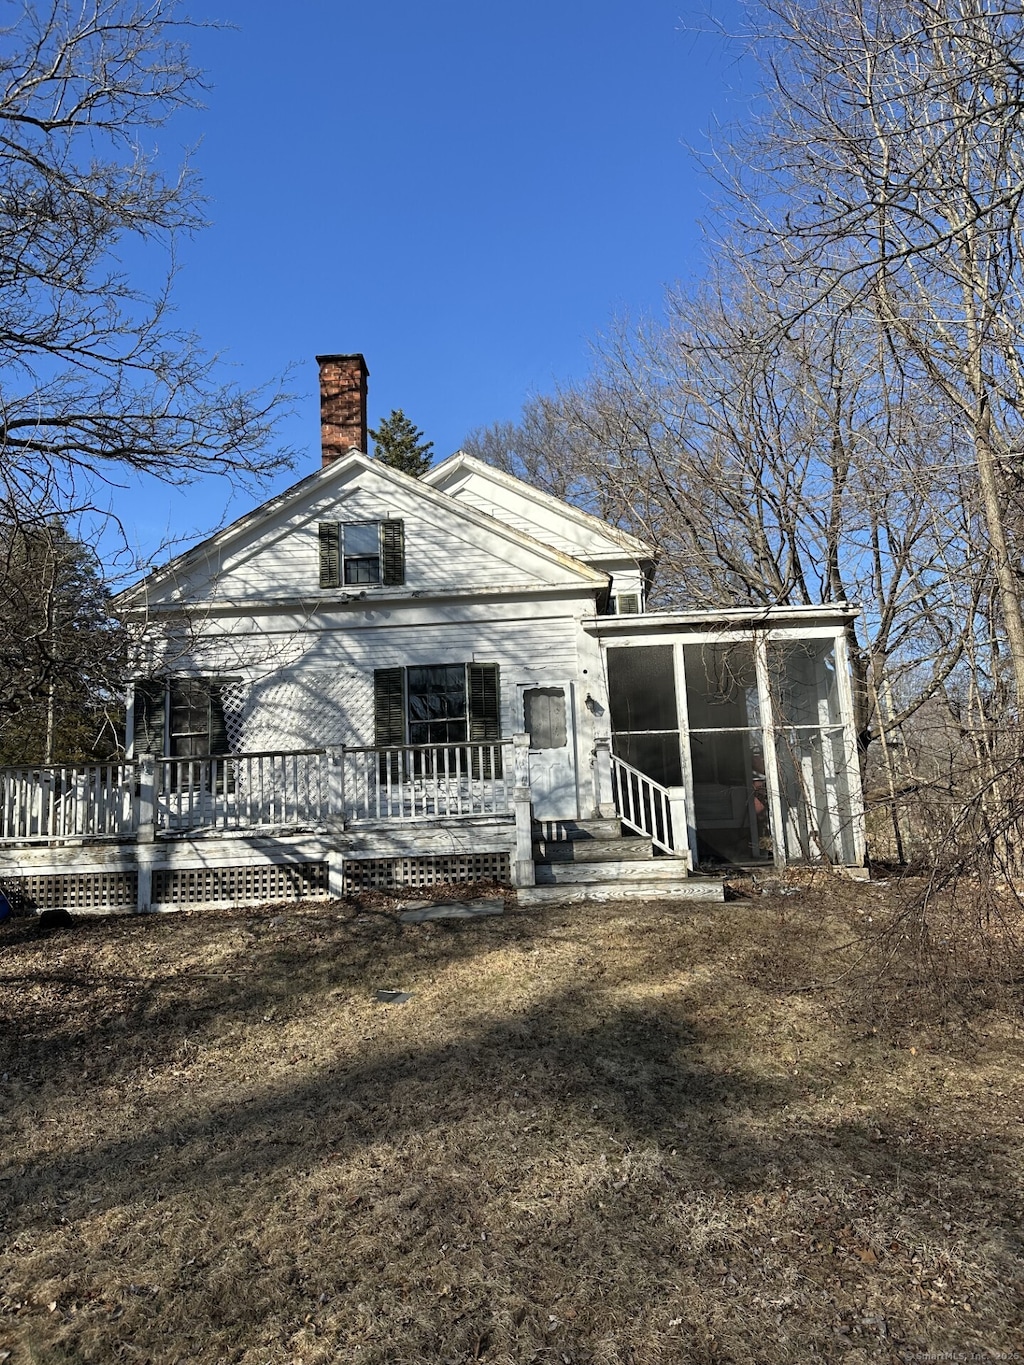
620	1148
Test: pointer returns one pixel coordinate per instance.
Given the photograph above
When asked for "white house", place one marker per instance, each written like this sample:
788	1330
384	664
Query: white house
377	680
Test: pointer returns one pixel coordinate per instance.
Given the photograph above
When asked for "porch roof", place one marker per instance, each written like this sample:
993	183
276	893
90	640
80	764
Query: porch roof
683	621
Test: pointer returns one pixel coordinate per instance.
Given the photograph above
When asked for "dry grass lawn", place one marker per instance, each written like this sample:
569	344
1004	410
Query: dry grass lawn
607	1134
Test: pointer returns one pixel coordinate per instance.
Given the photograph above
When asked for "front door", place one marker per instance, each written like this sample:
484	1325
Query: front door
548	719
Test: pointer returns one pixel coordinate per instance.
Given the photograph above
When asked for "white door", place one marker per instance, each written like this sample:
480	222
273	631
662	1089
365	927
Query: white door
549	720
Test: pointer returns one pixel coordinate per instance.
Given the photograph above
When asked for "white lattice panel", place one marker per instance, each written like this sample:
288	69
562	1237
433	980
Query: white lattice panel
364	874
312	710
264	882
235	697
74	891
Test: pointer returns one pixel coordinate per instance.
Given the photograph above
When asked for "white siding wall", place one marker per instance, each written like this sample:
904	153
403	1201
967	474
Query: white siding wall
309	685
442	551
584	541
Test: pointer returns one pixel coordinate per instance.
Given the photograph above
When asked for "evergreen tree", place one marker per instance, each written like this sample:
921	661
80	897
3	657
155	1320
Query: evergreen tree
62	653
401	445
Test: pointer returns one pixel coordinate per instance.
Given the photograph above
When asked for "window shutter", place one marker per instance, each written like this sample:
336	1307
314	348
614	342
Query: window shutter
392	539
330	555
149	717
628	603
218	727
389	716
484	713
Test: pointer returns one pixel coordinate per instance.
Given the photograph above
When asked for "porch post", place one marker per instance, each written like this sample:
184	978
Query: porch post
680	833
603	792
144	871
336	787
854	783
146	832
776	819
523	873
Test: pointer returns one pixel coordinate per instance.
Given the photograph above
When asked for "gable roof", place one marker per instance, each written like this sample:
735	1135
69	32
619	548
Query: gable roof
251	529
599	539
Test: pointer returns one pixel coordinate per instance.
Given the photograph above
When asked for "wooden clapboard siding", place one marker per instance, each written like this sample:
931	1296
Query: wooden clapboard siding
325	696
443	551
520	506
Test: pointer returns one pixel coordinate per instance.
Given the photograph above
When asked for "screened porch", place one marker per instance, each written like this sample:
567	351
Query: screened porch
754	720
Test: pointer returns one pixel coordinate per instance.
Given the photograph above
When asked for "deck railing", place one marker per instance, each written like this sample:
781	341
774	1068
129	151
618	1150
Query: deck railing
646	807
243	791
58	802
422	781
299	789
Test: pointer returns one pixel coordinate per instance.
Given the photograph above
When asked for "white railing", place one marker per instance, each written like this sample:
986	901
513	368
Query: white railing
302	789
656	812
419	782
243	791
88	801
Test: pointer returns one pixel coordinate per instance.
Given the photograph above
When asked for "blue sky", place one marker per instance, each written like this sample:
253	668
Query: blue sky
464	191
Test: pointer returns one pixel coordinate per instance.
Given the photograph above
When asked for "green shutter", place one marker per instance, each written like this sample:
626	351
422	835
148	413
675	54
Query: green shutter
389	714
484	712
392	540
149	717
330	555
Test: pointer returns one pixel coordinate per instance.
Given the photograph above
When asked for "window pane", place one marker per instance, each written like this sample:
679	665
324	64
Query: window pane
721	686
190	717
361	538
437	693
657	756
802	679
362	570
730	798
641	688
437	731
360	544
815	794
544	716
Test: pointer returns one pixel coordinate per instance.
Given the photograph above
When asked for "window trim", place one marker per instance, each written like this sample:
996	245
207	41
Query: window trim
390	553
153	705
482	684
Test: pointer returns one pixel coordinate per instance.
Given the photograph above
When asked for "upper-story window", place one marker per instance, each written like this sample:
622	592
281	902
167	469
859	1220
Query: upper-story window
362	552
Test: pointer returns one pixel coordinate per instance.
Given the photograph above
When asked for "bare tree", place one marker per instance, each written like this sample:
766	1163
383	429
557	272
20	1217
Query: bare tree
95	376
889	164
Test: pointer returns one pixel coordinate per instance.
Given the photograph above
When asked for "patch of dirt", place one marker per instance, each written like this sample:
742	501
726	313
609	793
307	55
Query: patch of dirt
606	1134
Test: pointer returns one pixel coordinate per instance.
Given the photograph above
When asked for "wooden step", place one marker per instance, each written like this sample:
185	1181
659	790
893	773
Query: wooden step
559	831
592	850
622	869
708	889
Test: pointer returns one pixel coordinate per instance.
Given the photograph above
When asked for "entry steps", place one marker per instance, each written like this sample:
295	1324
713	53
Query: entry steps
592	860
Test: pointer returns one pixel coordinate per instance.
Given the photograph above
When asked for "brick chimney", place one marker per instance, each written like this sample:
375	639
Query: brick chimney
342	405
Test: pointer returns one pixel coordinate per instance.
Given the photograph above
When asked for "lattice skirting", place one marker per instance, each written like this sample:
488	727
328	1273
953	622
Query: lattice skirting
268	882
107	891
381	874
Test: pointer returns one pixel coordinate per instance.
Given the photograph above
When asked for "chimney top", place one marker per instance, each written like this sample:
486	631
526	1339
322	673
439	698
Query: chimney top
342	405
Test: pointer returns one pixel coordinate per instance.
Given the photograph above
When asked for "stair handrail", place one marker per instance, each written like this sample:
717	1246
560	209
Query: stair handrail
648	808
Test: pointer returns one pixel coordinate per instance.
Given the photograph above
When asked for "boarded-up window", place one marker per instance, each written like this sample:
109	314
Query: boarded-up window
544	717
